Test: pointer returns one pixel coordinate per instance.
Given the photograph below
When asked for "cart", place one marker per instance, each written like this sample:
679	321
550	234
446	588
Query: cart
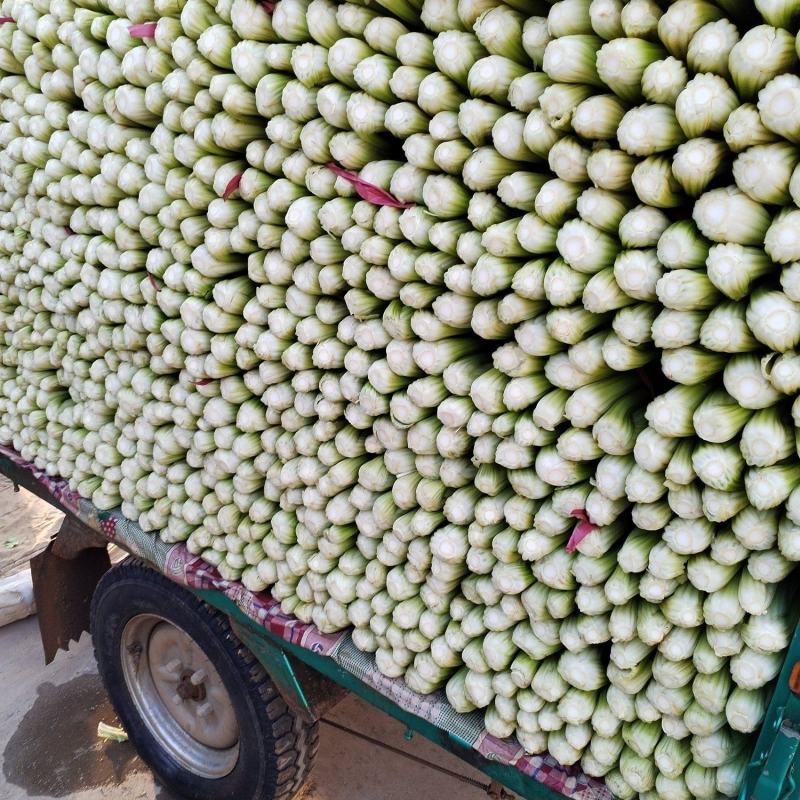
223	695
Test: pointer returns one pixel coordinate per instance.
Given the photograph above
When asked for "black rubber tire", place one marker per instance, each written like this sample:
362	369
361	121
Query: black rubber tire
276	748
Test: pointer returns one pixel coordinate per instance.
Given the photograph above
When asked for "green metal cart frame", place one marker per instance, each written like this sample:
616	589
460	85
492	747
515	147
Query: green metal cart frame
309	682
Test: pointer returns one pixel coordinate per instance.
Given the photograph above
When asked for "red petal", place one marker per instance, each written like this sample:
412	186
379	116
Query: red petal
153	282
268	6
144	30
6	19
203	381
366	190
233	185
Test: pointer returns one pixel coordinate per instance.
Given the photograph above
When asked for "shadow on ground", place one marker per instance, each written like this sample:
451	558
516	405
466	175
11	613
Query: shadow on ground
55	750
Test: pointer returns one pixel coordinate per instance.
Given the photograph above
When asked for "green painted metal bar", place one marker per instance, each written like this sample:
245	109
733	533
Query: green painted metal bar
772	773
776	778
278	667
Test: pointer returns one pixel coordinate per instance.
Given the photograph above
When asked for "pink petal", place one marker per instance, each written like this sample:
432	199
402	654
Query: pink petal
153	282
268	6
582	529
580	513
366	190
233	185
380	197
68	230
144	30
6	19
203	381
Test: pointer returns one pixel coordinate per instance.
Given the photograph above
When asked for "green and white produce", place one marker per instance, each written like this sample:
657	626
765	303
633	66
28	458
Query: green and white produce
473	325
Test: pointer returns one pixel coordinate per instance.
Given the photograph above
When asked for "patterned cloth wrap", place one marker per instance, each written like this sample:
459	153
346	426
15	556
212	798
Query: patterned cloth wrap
178	564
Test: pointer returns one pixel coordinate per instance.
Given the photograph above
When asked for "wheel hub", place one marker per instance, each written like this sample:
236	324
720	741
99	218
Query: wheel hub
180	696
187	690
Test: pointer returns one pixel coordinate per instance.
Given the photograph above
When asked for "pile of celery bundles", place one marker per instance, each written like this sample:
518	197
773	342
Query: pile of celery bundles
472	325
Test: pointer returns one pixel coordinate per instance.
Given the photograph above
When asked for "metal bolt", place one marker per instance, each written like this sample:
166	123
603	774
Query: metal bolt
174	666
198	677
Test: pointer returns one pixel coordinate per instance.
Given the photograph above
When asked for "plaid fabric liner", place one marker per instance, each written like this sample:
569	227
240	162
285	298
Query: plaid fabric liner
178	564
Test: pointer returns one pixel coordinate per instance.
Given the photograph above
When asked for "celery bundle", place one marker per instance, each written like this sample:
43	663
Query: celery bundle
472	325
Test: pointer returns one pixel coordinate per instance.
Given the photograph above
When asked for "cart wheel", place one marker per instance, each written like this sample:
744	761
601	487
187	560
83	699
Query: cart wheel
197	705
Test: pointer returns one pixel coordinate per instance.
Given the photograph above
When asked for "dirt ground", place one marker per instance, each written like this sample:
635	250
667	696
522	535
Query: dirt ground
26	526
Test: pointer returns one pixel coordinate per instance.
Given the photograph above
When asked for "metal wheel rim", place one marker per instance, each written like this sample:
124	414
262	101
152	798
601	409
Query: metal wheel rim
185	706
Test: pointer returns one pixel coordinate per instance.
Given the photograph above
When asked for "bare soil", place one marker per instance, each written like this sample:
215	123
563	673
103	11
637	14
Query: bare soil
27	524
